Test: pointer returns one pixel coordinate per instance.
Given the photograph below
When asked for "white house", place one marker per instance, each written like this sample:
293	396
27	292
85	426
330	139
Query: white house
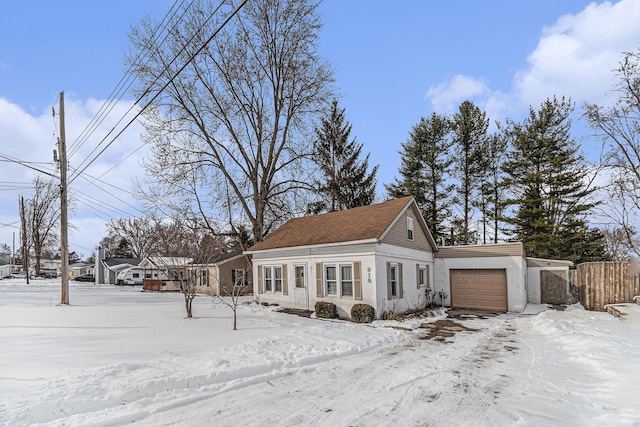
381	255
384	255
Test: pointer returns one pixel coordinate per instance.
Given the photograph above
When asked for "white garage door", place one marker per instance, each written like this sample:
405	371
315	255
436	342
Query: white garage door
479	289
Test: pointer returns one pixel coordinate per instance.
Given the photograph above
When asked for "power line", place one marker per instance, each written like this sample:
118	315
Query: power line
26	164
215	33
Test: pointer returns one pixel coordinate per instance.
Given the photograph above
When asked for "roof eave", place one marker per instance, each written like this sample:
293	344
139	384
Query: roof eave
321	245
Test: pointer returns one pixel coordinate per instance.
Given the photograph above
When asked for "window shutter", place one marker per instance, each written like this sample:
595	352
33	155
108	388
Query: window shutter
400	289
285	288
389	296
260	289
418	276
426	276
319	288
357	282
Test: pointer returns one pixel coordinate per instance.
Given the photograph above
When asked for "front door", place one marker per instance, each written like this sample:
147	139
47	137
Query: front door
301	299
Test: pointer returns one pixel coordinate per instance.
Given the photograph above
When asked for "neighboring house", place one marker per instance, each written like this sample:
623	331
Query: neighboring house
222	273
49	266
384	255
79	269
381	255
106	269
173	267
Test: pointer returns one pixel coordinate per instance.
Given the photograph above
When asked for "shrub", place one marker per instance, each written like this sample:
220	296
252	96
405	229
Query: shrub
326	310
363	313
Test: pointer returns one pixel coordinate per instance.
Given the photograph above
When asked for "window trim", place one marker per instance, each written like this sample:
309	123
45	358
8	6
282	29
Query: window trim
393	279
339	281
204	277
270	281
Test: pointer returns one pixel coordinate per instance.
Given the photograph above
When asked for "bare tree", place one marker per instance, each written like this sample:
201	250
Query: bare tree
618	125
42	213
137	233
617	245
240	115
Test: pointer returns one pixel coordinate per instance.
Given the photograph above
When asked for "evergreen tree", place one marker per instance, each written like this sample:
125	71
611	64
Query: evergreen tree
469	126
425	168
492	189
345	182
547	177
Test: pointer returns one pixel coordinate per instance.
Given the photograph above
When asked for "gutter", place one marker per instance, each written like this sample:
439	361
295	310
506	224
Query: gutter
322	245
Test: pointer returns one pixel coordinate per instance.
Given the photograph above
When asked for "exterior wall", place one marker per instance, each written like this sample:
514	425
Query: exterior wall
226	274
344	304
373	259
515	267
397	235
533	277
412	295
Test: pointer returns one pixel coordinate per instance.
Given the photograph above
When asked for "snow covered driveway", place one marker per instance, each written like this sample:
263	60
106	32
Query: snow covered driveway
118	356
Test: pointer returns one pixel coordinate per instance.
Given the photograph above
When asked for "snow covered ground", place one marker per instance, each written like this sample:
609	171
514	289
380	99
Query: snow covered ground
117	356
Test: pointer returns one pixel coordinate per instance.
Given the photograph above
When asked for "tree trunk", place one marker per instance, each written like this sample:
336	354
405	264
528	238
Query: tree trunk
187	303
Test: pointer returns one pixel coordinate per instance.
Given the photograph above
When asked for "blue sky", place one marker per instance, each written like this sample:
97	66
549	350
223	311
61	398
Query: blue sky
395	62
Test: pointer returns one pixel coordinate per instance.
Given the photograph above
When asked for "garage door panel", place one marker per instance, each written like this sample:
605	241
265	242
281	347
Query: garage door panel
479	289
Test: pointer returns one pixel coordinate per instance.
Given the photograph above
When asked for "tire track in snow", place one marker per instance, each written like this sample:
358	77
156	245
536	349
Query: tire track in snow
480	390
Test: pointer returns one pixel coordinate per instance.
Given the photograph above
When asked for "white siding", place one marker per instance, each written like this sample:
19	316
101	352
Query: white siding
515	267
373	259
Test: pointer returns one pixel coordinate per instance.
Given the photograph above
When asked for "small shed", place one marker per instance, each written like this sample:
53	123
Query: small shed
548	281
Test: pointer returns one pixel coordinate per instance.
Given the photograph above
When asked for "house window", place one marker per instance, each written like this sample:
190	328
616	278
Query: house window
409	228
346	280
422	276
331	282
268	279
136	275
204	277
239	277
272	278
338	280
393	280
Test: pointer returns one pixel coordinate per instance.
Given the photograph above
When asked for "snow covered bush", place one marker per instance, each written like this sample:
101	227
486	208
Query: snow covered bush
326	310
363	313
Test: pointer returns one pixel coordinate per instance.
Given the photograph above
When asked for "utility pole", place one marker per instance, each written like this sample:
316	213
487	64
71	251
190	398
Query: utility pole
64	245
25	248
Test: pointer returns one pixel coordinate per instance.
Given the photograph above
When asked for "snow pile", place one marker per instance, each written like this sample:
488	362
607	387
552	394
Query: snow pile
118	355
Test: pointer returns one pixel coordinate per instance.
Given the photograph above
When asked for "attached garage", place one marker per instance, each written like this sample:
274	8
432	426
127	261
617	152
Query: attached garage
487	277
479	289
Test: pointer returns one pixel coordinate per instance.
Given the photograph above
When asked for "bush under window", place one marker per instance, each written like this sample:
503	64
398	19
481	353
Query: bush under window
363	313
326	310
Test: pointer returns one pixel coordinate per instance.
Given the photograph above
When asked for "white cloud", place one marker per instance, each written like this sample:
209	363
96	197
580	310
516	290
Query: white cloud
447	96
32	138
575	56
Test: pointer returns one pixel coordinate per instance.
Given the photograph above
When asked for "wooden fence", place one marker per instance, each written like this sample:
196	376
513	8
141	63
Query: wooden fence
601	283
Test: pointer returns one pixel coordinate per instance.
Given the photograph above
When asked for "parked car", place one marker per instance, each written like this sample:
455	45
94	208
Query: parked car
18	275
85	278
47	276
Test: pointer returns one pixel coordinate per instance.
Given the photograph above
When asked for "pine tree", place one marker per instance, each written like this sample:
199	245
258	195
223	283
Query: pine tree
425	167
470	126
492	189
345	182
547	177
